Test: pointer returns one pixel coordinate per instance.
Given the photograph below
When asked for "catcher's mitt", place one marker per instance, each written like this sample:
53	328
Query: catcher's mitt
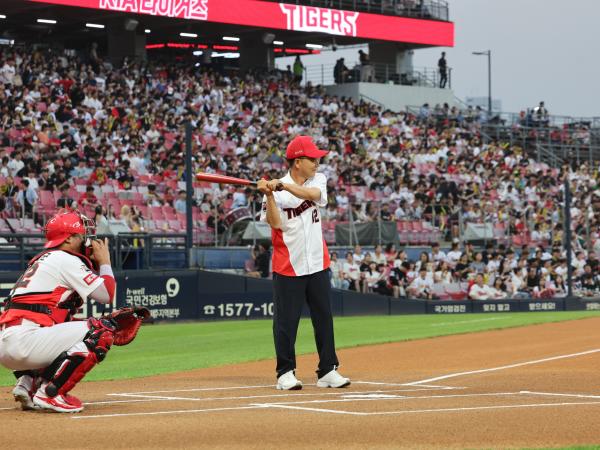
127	322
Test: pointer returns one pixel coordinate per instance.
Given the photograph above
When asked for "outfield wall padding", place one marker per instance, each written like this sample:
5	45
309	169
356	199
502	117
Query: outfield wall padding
194	294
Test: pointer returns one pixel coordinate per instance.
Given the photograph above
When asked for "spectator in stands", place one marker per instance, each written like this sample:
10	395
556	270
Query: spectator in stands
125	177
102	226
461	268
390	253
10	191
180	203
336	272
216	215
65	201
16	164
88	198
239	197
151	197
340	72
481	291
477	265
421	287
59	179
454	255
351	273
357	254
442	274
298	70
44	182
385	213
4	169
443	70
342	199
110	212
541	114
423	262
359	214
378	256
261	257
588	281
27	198
436	255
366	69
206	203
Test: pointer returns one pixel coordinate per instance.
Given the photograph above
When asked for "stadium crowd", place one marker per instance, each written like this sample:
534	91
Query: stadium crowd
110	141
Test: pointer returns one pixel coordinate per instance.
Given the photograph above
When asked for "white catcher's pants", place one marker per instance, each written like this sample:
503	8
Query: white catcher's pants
29	346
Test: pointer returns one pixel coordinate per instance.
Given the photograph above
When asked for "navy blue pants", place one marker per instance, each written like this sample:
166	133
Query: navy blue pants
290	294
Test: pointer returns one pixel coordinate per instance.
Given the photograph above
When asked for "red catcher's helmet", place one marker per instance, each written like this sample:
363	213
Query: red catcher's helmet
66	223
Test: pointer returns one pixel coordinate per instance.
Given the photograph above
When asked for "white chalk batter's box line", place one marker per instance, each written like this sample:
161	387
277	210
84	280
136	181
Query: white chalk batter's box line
419	384
337	393
354	397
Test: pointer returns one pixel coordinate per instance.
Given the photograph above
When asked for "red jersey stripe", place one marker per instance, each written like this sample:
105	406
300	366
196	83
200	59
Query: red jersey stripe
326	261
281	255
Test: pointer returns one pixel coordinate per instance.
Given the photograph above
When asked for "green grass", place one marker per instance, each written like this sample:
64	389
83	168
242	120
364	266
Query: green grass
168	348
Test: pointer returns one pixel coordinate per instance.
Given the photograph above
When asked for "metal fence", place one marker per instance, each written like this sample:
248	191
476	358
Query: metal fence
324	74
128	250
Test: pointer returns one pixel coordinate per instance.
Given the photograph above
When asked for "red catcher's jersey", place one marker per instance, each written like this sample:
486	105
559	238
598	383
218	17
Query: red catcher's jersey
50	280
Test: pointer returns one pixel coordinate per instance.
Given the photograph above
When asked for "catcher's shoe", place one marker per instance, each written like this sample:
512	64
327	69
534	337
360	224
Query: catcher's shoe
289	382
59	403
23	392
333	380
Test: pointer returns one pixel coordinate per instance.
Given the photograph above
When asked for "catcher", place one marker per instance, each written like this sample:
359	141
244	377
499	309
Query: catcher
50	351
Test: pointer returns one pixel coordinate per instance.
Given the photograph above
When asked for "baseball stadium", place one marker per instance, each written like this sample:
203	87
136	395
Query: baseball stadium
263	224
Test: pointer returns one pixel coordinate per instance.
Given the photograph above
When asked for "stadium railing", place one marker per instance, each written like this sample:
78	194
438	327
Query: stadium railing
323	74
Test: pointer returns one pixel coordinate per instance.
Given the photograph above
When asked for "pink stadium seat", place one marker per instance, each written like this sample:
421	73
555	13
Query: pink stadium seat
176	226
156	213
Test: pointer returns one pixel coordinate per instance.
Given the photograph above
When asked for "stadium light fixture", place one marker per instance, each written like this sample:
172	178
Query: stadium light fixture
191	35
50	21
2	16
94	25
488	53
315	46
231	38
147	31
277	42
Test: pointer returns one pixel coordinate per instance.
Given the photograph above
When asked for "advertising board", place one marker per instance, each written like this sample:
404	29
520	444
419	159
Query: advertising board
284	16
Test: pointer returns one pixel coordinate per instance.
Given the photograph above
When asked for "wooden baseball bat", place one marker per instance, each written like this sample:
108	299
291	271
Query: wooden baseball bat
225	179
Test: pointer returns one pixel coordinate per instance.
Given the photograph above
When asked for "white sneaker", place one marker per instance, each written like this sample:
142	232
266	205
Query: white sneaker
289	382
23	392
333	380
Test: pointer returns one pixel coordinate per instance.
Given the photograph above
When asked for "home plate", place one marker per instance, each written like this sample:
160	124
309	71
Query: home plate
372	396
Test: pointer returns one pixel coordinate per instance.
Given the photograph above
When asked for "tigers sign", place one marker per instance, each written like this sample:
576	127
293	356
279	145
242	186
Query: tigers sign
284	16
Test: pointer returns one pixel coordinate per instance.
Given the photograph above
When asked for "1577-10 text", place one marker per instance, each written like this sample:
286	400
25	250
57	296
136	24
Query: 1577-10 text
239	310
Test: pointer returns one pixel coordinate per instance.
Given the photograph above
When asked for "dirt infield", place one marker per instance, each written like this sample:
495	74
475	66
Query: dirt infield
537	386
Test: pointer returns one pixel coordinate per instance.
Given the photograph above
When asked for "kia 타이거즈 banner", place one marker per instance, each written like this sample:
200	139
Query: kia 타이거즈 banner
285	16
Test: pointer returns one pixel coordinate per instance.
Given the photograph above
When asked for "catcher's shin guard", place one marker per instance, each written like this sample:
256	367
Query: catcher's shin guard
71	366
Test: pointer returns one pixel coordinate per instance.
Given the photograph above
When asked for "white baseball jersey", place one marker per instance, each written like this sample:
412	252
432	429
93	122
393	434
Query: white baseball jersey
51	279
298	247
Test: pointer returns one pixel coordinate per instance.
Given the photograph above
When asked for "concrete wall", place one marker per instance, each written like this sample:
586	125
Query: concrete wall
393	97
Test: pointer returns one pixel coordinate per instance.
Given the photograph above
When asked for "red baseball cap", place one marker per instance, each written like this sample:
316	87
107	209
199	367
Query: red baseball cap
303	146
